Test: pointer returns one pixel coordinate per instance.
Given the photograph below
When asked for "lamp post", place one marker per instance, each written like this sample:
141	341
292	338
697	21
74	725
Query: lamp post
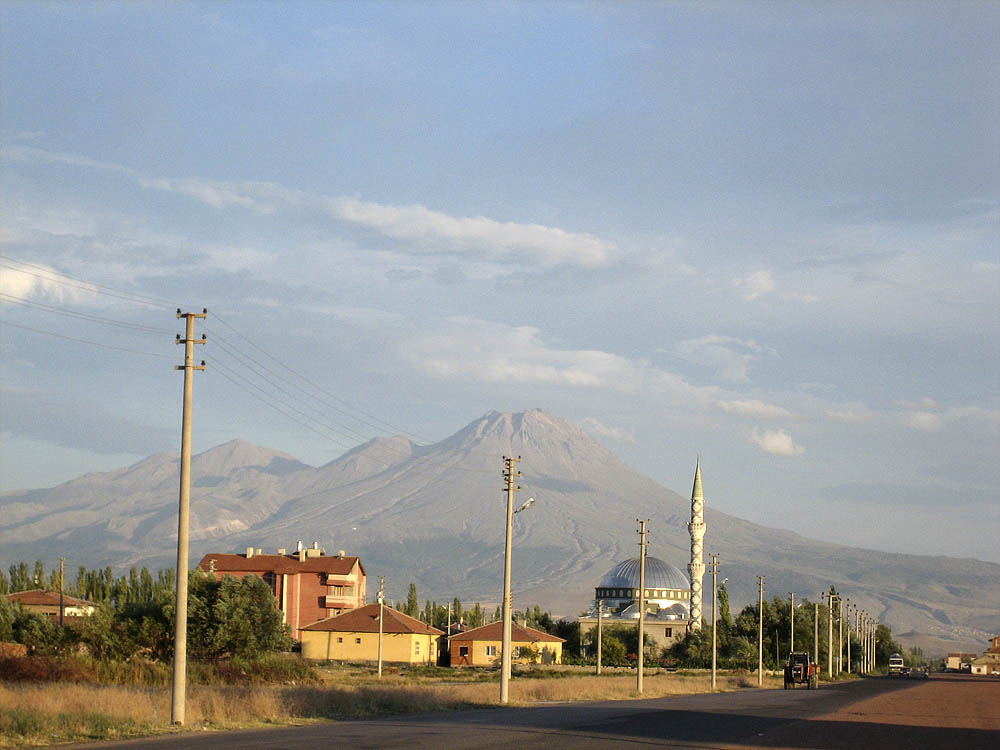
510	475
642	602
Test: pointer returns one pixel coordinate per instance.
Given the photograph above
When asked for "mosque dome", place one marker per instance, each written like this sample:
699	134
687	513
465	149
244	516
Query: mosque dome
659	575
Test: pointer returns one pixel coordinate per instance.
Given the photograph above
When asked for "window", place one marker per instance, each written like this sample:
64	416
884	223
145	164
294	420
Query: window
340	640
491	650
668	632
357	640
463	650
416	647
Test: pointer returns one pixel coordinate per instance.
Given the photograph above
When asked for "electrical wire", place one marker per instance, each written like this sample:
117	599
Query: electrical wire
84	341
10	299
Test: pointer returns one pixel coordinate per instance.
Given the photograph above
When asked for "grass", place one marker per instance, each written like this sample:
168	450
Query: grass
44	713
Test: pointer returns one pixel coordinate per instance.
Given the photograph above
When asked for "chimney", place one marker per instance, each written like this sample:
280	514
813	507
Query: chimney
340	554
281	551
298	546
249	552
302	555
260	551
315	545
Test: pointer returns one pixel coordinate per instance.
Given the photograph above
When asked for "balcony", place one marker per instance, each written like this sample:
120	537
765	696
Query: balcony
340	601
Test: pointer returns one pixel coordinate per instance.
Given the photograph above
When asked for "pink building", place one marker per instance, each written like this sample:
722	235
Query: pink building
308	584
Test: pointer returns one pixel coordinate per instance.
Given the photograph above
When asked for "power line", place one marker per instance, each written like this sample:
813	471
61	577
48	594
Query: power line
84	341
10	299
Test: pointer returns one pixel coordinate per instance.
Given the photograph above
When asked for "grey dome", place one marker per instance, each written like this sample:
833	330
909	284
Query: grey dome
659	575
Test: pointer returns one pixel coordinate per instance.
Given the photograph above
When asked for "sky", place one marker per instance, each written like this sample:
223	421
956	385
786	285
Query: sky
762	233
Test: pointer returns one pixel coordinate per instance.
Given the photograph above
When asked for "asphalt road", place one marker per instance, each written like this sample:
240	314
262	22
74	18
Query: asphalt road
942	713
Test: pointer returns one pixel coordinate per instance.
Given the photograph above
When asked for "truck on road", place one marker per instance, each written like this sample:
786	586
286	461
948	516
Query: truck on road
895	664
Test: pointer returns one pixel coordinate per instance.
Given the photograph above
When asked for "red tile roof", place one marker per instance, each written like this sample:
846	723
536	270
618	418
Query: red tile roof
518	633
43	598
365	620
281	564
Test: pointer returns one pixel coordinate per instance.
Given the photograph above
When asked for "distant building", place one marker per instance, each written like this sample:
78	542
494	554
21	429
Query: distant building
989	662
353	636
959	662
46	603
667	601
481	647
308	584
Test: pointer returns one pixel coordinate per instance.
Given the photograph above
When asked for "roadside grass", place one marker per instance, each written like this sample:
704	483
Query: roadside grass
35	713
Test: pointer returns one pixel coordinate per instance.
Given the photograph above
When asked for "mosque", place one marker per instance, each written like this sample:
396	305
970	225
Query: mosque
673	600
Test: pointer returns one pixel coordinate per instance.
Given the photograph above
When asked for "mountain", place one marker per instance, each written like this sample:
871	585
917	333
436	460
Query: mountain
435	515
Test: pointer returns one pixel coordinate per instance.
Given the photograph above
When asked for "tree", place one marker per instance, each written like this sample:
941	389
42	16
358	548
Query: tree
249	622
412	607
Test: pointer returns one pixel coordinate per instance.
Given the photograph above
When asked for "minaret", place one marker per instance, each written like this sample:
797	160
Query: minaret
697	528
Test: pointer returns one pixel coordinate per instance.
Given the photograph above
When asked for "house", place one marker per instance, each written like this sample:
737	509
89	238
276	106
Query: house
989	662
480	647
958	662
354	636
308	585
47	603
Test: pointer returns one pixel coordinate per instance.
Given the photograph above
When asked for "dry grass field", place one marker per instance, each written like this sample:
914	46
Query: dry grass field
34	714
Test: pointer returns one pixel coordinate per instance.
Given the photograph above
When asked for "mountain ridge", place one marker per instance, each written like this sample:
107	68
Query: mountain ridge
434	514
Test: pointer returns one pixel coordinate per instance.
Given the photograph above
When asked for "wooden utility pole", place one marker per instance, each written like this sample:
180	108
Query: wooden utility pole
791	637
180	615
642	601
760	631
62	585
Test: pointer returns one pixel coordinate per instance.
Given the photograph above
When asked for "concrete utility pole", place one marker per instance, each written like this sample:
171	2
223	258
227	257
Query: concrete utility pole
829	640
840	635
715	616
180	616
816	633
849	663
760	631
600	625
791	611
381	611
642	601
62	585
510	476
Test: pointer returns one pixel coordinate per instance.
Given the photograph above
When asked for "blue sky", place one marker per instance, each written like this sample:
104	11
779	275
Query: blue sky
761	232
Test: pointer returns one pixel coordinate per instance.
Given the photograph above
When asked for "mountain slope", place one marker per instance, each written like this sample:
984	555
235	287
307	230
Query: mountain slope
435	515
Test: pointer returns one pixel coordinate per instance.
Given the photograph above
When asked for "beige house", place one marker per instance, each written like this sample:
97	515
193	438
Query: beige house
481	647
354	636
989	662
47	603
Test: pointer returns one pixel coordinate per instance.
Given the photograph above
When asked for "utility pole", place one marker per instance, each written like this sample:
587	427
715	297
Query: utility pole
381	611
715	617
829	640
600	625
510	476
849	663
642	601
180	615
816	633
62	585
760	631
791	611
840	636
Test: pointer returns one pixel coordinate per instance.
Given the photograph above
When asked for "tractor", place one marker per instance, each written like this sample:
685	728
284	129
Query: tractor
800	671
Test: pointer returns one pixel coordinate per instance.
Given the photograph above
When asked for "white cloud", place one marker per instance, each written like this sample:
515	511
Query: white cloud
924	421
756	284
595	427
728	355
801	297
424	230
849	414
776	442
754	408
484	351
549	245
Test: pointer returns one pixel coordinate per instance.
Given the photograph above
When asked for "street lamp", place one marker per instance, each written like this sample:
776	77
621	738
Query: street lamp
510	474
